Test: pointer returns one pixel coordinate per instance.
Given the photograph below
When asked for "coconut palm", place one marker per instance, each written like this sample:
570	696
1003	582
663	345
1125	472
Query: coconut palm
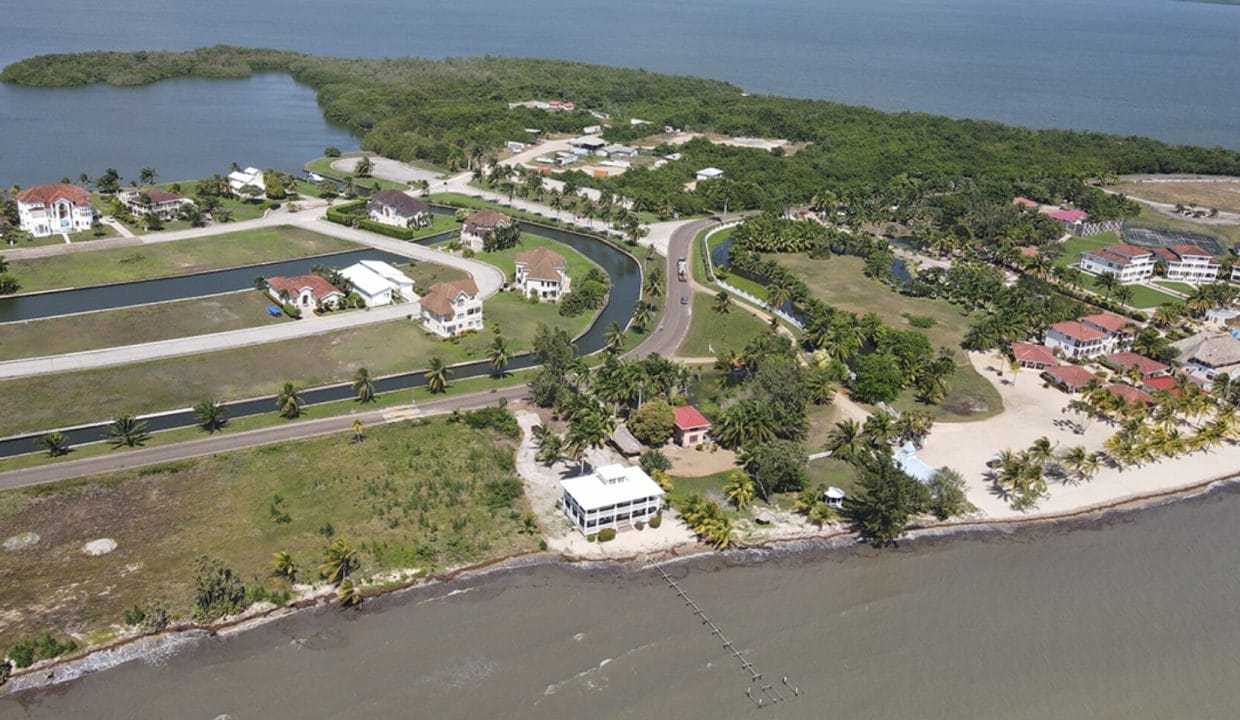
740	489
437	375
643	313
210	415
127	431
147	175
1042	450
588	430
289	401
846	442
615	338
339	561
1074	459
879	428
653	285
722	303
348	594
54	443
282	565
363	386
499	355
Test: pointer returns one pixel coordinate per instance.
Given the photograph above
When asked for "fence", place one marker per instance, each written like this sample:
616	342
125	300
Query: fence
733	290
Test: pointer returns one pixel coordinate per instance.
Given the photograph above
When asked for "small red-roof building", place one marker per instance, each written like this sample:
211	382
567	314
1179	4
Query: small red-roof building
1068	217
1161	383
691	426
1129	394
304	291
1148	368
1069	378
1036	357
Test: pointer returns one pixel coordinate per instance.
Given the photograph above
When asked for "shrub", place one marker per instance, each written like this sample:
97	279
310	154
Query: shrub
501	493
135	615
919	321
495	418
291	310
331	151
22	653
653	422
589	538
652	460
218	591
606	535
656	521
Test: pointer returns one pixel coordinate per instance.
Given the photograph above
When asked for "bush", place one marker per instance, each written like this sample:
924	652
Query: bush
656	521
653	422
919	321
589	538
606	535
331	151
501	493
22	653
291	310
218	591
496	418
652	460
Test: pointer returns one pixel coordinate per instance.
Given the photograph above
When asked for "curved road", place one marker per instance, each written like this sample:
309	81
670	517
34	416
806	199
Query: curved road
673	327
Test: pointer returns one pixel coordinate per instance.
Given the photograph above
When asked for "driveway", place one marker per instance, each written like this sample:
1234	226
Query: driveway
676	317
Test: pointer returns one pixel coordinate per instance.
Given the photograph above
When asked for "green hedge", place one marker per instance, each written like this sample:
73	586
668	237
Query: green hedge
347	214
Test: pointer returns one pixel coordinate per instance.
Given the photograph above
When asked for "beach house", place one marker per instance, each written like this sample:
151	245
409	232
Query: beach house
1072	220
1069	378
154	200
305	292
1130	362
451	308
1034	357
378	283
540	273
1129	263
612	496
479	224
251	176
690	427
393	207
1207	355
1188	263
1077	340
56	208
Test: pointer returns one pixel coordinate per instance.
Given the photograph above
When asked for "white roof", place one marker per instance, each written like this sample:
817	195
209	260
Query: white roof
835	493
906	459
610	485
366	281
619	149
386	271
249	176
588	141
710	172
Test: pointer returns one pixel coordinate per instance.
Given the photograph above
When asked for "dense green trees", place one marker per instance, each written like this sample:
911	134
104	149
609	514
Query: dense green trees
652	423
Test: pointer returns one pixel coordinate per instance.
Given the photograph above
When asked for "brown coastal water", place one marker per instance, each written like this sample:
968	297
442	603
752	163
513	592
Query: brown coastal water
1132	617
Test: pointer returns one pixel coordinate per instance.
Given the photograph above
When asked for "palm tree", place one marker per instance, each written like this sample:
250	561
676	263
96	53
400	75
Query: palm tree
147	175
359	430
282	565
643	313
653	286
437	376
54	443
1075	459
289	402
1042	450
778	292
339	561
615	338
127	431
210	415
879	428
740	489
499	355
589	430
348	594
1107	282
1123	294
846	442
363	386
722	303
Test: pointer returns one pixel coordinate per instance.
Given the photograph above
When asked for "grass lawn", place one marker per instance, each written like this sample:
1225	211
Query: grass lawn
576	264
1074	246
839	281
1143	296
1177	286
383	348
57	239
323	166
419	495
214	252
709	329
132	325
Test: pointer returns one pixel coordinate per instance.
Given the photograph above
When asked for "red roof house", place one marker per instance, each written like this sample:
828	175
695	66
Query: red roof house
305	291
1038	357
1069	378
691	426
1069	216
1161	383
1130	394
1147	367
1110	322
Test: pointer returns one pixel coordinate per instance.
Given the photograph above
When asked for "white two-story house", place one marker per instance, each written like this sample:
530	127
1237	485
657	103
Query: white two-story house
1189	263
393	207
1091	336
540	273
43	210
154	200
451	308
1129	263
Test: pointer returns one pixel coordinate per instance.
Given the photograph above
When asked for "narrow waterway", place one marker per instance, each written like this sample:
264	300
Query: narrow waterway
1131	618
622	268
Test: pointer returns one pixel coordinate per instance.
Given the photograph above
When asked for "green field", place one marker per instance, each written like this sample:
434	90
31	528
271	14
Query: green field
133	325
1074	246
576	264
840	282
212	252
1177	286
413	496
1143	296
709	329
83	236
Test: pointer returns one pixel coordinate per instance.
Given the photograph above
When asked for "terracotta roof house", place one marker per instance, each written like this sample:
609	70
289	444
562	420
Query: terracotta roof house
1068	217
1037	357
1129	394
1161	383
477	226
393	207
56	208
1110	322
304	291
451	308
1079	339
1148	368
1069	378
691	426
1129	263
540	273
1188	263
161	202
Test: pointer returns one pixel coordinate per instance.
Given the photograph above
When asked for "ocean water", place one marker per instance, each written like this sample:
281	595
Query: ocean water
1161	68
1131	618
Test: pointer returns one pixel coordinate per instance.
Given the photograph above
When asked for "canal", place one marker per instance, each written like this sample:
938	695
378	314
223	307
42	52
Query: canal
623	268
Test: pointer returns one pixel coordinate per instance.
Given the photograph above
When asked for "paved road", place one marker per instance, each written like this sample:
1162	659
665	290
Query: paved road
489	278
676	317
228	442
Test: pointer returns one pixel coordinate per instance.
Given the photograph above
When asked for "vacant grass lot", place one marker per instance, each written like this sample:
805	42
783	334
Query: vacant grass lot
840	282
182	257
413	495
711	333
133	325
383	348
57	239
1204	194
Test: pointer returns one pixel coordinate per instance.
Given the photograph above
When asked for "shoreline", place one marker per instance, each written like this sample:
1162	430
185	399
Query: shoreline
174	638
